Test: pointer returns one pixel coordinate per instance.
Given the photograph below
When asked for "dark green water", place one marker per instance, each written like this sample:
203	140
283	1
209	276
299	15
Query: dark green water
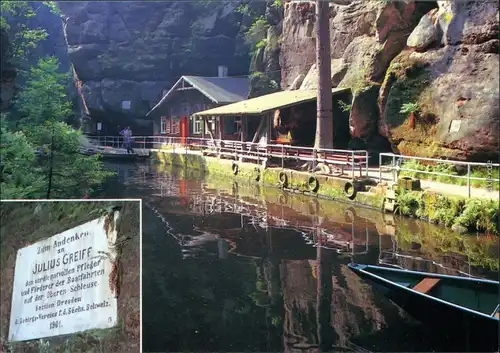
234	267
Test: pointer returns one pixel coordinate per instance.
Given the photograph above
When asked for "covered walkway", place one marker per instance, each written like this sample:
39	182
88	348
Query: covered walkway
287	117
267	103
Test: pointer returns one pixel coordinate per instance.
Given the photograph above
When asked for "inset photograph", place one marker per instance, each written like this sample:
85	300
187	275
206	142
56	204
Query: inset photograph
70	276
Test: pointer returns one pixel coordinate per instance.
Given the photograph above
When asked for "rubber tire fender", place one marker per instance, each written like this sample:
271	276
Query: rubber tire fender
351	195
313	184
283	179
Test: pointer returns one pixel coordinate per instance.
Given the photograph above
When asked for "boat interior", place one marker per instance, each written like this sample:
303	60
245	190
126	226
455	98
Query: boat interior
478	295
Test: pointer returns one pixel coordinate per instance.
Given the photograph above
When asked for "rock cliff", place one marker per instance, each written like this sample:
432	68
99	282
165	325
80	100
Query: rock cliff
125	54
424	74
437	59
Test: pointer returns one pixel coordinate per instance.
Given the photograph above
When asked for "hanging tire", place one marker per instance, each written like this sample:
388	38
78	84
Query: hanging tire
313	184
283	179
256	172
234	167
350	190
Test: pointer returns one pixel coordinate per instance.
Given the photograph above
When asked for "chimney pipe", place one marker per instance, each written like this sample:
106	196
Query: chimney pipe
222	71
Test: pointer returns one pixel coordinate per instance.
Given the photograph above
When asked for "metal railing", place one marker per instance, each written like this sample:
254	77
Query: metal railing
397	165
238	150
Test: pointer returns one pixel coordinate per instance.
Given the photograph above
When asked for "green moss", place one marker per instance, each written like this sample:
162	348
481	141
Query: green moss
447	17
410	79
356	81
474	214
297	181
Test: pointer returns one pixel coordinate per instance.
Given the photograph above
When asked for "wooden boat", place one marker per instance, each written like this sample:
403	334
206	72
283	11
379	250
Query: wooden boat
463	307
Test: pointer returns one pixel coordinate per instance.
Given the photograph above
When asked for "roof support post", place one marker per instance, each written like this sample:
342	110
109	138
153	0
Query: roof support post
324	121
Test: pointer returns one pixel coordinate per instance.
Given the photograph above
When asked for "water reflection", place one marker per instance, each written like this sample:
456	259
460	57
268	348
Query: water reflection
230	267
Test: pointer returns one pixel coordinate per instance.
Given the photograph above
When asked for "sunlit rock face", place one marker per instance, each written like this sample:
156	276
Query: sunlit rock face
442	56
132	51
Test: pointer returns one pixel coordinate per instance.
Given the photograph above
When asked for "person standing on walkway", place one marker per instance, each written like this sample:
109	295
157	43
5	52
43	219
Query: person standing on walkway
127	139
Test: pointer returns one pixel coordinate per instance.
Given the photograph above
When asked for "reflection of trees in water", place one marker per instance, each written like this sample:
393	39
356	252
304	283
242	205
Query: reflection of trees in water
268	295
204	305
332	311
306	304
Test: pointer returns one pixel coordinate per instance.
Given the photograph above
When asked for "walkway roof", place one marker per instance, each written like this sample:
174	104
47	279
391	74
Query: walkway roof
266	103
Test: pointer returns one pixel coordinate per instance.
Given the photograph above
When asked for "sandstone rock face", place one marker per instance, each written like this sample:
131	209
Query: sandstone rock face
457	90
456	87
441	55
132	51
424	35
365	37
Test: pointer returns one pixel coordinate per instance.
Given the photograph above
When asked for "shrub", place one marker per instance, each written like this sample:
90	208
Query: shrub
481	215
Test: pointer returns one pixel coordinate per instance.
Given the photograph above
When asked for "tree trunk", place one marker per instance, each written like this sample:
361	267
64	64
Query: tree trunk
51	165
324	121
412	121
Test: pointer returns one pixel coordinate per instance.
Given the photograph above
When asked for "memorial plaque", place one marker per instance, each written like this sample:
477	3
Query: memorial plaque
455	126
63	284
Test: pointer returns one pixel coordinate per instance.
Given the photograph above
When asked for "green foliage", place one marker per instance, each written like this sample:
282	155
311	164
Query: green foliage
23	39
45	106
261	84
245	9
257	32
20	178
407	203
408	108
52	6
344	106
481	215
45	84
473	213
261	44
277	3
447	17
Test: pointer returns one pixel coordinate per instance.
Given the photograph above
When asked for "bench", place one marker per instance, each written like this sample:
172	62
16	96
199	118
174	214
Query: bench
425	285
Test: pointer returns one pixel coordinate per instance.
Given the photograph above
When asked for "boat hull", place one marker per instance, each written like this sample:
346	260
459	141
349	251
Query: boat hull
477	331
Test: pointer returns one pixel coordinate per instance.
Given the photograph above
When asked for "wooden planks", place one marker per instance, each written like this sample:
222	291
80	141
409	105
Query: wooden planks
425	285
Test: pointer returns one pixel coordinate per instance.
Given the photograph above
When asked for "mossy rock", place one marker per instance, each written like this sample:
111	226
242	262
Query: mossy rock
409	79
